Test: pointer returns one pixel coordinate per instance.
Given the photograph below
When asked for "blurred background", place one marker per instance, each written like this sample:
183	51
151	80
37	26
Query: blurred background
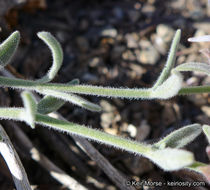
111	43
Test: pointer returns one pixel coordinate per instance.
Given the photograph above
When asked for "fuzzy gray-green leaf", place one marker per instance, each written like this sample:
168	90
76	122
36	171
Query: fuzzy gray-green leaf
50	104
171	159
179	138
206	130
194	66
170	61
57	54
169	88
77	100
8	48
30	108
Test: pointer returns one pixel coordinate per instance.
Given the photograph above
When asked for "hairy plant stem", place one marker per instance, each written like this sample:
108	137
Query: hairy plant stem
170	61
138	93
72	128
194	90
162	157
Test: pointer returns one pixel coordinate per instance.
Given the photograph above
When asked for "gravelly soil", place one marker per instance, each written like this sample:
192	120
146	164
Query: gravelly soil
109	43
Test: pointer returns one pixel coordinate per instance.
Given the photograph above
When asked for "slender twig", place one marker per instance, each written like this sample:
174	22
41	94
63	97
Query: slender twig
64	151
57	173
13	162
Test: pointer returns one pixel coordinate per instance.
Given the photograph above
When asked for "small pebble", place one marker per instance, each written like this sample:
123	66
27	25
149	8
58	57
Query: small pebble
165	32
132	40
109	32
148	53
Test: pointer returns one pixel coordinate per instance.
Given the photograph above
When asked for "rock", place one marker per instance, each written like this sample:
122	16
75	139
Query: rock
132	130
204	26
109	32
206	110
196	11
178	4
197	14
137	69
144	44
198	99
148	54
191	58
82	44
107	119
128	55
109	116
192	81
95	61
199	32
120	38
148	10
163	37
159	44
132	40
106	106
112	131
165	32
